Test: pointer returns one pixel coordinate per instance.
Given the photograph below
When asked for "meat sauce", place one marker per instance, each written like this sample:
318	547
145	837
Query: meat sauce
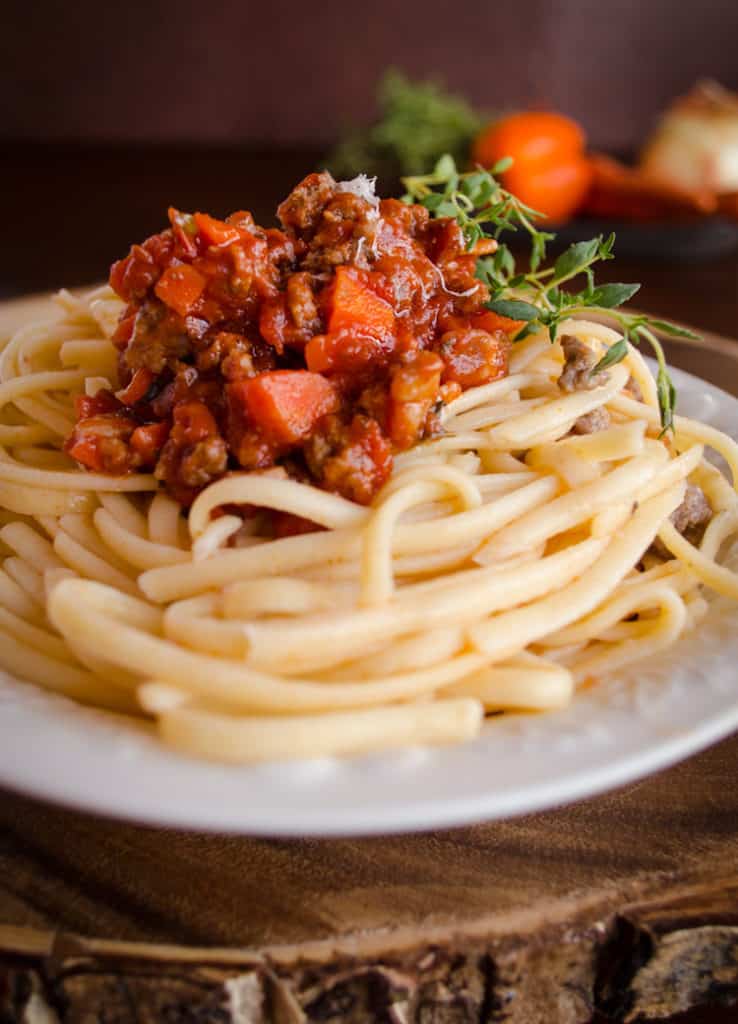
322	347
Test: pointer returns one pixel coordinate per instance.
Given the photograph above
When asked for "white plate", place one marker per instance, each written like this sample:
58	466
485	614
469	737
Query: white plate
667	708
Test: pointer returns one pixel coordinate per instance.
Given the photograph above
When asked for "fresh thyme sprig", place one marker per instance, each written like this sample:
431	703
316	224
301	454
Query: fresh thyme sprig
416	122
483	208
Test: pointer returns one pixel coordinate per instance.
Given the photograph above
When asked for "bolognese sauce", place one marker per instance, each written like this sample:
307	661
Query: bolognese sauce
322	347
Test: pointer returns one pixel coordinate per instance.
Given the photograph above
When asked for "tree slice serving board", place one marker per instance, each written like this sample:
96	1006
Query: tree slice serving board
621	908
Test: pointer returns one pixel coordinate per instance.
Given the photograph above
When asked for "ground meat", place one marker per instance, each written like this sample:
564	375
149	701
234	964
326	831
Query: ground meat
303	207
694	510
403	218
195	452
457	265
157	342
689	519
203	462
107	436
635	389
352	459
592	422
414	387
580	360
473	357
231	352
345	234
301	303
372	302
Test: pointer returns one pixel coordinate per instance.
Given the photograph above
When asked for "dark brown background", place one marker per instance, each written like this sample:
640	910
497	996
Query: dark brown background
110	112
296	72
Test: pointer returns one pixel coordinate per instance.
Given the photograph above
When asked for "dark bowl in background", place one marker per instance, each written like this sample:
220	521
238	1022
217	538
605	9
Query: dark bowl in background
687	241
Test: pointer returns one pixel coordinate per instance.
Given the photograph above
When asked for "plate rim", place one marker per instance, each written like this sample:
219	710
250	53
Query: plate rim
31	776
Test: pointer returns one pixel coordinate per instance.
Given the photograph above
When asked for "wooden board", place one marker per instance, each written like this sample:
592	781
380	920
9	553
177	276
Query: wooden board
620	908
622	905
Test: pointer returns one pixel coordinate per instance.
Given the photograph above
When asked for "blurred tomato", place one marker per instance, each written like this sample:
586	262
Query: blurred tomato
550	171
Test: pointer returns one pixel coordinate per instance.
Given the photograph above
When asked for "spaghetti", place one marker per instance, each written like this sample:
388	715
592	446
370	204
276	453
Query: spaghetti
501	566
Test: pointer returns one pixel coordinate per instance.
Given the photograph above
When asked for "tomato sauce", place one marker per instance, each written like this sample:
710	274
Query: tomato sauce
323	347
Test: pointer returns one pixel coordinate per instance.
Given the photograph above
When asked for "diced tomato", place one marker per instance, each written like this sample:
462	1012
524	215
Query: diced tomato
273	322
124	330
492	322
473	357
413	390
100	442
353	305
85	450
285	404
343	352
285	524
132	276
258	347
95	405
139	385
148	440
193	422
184	231
179	287
216	232
361	465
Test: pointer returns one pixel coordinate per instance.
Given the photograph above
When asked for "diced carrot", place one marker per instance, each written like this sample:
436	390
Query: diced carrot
285	404
318	354
138	386
216	232
352	304
180	287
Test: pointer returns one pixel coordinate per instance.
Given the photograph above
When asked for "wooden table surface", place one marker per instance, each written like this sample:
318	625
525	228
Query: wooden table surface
619	908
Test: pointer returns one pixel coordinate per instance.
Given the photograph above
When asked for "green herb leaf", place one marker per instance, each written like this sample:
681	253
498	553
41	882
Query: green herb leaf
525	331
432	201
446	209
417	123
501	166
574	259
445	166
536	297
615	354
608	296
673	330
538	248
515	309
666	393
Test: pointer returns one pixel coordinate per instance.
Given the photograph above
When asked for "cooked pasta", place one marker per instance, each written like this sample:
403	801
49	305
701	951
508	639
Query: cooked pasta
500	567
